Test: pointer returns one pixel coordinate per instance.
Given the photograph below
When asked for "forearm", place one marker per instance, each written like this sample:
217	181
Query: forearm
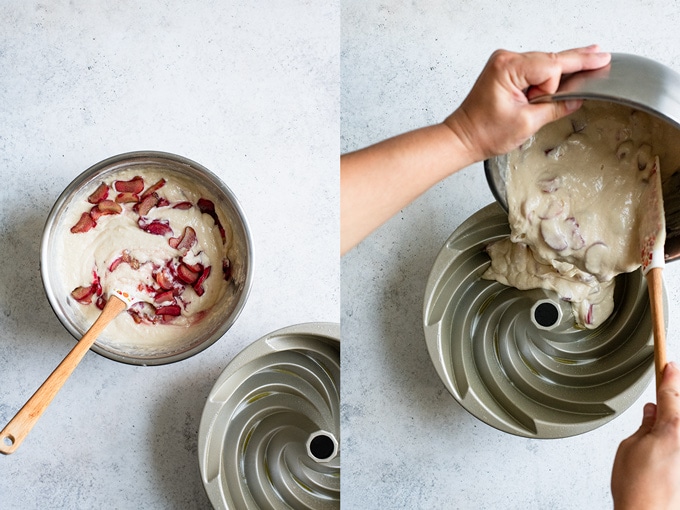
378	181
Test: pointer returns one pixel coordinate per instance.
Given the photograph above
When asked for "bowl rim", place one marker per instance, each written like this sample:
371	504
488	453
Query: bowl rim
605	84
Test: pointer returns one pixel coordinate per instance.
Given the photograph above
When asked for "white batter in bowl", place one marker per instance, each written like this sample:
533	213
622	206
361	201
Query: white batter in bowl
162	228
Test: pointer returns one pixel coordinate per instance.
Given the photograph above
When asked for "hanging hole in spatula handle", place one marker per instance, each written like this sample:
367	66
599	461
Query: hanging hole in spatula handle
7	440
22	423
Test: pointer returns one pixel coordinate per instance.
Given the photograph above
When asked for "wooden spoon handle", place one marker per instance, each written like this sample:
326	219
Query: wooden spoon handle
655	288
22	423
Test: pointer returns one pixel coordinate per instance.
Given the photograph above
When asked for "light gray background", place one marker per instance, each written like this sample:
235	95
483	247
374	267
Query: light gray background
248	89
406	442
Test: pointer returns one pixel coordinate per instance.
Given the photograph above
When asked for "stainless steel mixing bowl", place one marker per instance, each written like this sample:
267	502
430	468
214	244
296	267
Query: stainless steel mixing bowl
270	430
218	320
630	80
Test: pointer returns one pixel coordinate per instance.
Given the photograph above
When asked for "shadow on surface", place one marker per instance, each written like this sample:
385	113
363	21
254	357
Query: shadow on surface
175	441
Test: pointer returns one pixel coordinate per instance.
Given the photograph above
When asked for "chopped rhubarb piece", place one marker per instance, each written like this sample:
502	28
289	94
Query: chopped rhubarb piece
154	188
184	242
165	297
83	294
101	302
142	312
84	224
129	259
95	213
96	284
196	268
198	286
116	262
187	240
134	185
208	207
148	202
135	316
173	310
183	205
145	287
156	227
226	268
164	279
186	275
101	193
108	207
127	198
163	202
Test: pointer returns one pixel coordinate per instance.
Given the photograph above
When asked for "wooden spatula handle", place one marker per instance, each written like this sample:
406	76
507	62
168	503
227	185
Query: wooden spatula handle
22	423
655	288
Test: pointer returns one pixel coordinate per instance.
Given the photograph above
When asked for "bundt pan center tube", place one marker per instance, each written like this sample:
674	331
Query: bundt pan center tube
270	431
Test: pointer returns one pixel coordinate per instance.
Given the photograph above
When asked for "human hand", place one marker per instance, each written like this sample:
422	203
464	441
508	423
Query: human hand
496	117
646	470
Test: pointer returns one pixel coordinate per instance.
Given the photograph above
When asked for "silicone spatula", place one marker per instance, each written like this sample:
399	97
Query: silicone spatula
652	232
22	423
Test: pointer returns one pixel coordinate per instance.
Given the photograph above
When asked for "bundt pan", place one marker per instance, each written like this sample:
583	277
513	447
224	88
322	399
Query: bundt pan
270	430
515	359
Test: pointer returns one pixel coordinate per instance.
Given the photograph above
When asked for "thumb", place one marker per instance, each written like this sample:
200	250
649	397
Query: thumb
668	394
544	113
648	419
563	108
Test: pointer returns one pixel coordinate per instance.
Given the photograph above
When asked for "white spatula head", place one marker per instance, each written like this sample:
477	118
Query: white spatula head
652	230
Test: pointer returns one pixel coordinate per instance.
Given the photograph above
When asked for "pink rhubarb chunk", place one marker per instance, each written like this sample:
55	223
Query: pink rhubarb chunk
101	193
156	227
153	188
134	185
84	224
83	294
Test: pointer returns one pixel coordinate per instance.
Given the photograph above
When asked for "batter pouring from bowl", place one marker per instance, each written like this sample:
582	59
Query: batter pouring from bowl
574	202
495	118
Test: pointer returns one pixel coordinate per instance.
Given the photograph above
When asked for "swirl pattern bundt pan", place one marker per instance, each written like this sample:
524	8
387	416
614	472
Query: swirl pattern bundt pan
508	367
270	430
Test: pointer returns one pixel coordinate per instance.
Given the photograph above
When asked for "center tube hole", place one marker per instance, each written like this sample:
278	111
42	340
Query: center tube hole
546	314
322	446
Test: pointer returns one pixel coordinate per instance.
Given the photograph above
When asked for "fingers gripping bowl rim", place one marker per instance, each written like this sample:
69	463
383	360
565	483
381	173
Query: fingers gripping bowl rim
217	321
630	80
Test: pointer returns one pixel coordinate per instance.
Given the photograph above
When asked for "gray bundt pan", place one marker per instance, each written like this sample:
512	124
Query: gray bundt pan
270	430
514	359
